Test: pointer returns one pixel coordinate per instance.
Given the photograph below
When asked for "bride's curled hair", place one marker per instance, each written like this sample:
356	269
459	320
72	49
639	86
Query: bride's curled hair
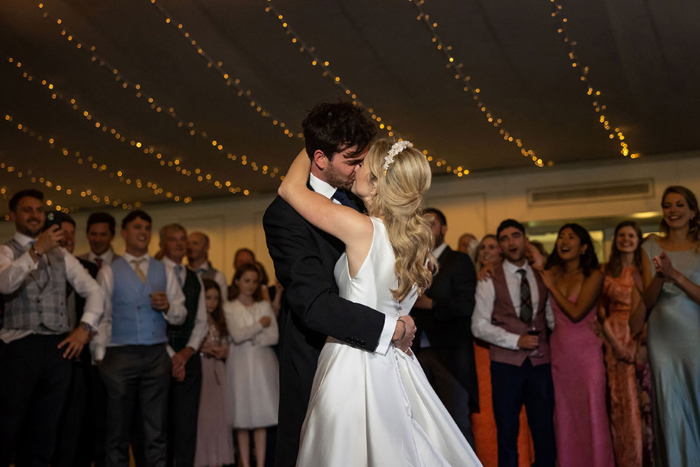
398	194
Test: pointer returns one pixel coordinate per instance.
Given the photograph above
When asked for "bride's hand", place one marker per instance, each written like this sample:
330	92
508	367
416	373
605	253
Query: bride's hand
403	340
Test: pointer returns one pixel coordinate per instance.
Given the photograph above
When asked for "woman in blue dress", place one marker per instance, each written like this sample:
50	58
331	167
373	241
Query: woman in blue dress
672	306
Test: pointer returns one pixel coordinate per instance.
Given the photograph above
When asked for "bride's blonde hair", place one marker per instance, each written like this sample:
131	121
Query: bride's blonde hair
399	191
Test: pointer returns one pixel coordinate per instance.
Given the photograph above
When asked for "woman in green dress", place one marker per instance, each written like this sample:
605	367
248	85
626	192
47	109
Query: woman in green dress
671	303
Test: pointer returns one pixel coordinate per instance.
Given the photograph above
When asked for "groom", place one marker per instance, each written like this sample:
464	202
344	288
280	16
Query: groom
337	137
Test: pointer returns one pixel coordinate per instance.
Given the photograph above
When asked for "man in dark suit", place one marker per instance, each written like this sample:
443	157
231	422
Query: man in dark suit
336	136
444	345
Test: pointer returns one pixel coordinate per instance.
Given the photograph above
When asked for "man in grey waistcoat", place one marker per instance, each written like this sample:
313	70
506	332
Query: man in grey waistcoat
35	367
141	298
198	260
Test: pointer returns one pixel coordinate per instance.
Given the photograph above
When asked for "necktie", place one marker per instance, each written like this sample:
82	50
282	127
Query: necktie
525	298
343	199
98	262
200	272
178	274
138	270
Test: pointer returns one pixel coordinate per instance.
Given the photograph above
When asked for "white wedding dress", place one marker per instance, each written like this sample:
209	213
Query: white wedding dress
368	409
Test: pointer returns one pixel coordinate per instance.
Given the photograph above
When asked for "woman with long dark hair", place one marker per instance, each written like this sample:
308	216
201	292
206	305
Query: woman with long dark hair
672	307
621	294
580	416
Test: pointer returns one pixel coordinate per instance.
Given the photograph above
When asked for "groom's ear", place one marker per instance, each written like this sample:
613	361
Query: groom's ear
320	159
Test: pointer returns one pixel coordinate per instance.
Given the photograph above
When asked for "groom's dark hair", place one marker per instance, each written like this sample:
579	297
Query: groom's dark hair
334	127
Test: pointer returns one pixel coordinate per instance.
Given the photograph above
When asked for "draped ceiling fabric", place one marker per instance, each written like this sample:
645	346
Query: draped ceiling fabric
643	56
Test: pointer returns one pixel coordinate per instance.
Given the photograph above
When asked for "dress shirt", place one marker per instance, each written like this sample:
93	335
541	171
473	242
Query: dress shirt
323	188
219	278
176	314
424	342
485	296
13	273
201	328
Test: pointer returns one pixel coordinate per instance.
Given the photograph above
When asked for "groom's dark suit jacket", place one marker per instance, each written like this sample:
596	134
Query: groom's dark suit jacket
304	260
448	323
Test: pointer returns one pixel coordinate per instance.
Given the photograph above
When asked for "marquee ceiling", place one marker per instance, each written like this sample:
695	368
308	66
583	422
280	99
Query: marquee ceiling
167	91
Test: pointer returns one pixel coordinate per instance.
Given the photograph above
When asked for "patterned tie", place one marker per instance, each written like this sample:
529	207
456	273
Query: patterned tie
98	262
525	298
138	270
343	199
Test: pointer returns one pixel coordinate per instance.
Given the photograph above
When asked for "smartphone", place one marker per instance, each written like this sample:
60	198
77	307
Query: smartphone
53	218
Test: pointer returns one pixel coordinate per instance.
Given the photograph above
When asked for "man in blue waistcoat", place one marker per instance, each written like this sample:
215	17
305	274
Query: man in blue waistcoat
184	341
141	298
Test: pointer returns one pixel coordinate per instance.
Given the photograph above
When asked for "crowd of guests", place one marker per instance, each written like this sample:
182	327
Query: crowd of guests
600	362
111	359
551	359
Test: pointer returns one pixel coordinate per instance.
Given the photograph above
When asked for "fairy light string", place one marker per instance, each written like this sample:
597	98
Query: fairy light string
94	164
30	177
324	66
119	136
469	88
227	76
59	187
189	126
583	72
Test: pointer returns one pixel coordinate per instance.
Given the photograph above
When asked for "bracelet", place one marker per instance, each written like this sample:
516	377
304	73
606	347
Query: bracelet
403	333
35	252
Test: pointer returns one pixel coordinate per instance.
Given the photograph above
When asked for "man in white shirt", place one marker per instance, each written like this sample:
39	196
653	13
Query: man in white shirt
184	343
34	365
100	233
198	261
512	314
141	297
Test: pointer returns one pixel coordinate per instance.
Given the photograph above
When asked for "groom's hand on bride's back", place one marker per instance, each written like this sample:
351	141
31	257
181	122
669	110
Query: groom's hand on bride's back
401	339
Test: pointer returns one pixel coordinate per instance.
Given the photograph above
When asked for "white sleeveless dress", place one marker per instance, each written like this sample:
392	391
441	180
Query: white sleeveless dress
368	409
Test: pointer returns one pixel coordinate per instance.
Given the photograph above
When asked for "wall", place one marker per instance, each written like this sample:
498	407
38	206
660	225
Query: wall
476	204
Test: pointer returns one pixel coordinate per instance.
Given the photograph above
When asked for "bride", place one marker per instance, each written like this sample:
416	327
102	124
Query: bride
368	409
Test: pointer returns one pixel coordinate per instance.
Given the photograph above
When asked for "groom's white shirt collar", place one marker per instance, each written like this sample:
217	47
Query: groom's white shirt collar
321	187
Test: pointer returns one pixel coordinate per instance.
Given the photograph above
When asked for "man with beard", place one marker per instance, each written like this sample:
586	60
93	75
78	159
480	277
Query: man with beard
337	138
444	345
35	366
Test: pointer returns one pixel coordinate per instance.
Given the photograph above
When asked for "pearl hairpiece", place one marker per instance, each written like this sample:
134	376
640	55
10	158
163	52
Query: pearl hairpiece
394	151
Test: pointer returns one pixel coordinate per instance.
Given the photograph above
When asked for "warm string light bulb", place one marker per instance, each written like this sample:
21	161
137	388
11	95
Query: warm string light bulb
218	66
469	88
190	127
324	66
583	72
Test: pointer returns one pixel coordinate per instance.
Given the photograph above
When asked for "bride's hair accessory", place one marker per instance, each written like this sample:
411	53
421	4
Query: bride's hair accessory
394	151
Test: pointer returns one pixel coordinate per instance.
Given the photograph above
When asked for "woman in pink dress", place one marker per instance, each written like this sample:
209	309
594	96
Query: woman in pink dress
580	417
621	294
214	442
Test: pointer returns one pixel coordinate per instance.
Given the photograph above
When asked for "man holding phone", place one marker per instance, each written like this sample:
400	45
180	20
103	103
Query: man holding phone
34	366
141	298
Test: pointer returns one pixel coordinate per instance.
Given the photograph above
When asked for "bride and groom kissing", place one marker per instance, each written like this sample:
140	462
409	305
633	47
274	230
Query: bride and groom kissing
351	391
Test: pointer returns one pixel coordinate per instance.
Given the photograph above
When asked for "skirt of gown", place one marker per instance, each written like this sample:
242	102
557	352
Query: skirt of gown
214	440
368	409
